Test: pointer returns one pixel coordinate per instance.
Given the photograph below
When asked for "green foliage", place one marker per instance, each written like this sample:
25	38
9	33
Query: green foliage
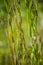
19	21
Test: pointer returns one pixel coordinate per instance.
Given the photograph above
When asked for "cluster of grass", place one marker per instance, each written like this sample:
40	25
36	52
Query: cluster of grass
19	19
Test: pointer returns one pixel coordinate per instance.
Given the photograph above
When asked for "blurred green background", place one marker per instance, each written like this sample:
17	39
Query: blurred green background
4	47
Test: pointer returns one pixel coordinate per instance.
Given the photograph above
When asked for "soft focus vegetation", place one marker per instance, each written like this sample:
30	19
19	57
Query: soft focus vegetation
21	32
